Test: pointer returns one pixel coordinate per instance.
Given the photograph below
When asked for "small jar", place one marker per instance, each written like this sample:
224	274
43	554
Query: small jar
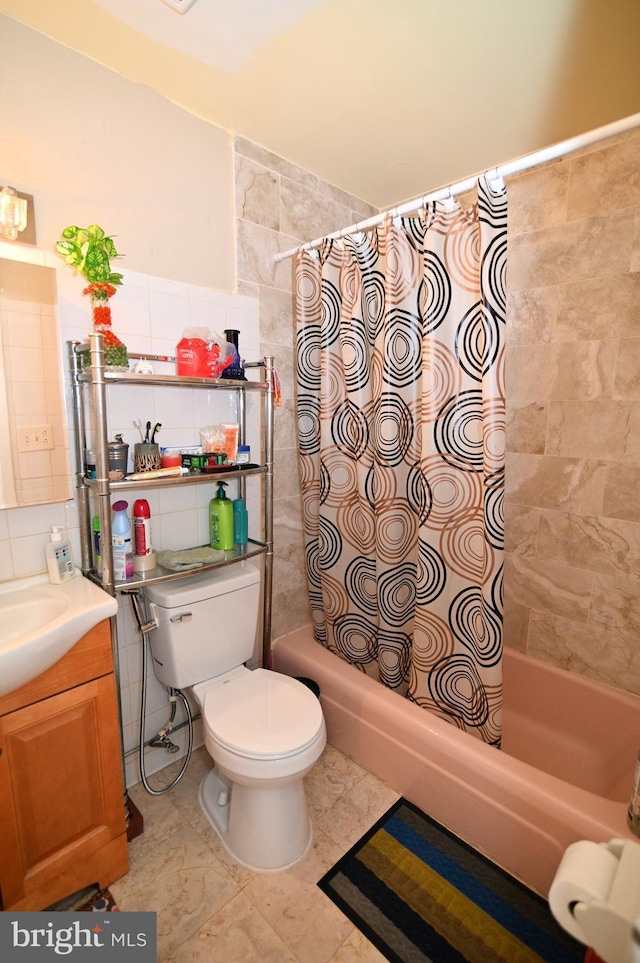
170	457
90	464
243	456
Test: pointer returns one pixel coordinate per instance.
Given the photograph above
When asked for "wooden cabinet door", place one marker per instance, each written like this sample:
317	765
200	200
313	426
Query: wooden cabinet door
61	793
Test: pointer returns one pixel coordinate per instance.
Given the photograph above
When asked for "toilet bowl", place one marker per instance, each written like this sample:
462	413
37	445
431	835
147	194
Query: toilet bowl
263	730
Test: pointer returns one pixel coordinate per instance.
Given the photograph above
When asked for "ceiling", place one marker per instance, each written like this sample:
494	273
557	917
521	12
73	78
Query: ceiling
387	99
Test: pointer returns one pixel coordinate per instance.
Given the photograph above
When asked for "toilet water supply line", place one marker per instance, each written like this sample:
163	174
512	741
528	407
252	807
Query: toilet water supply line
161	739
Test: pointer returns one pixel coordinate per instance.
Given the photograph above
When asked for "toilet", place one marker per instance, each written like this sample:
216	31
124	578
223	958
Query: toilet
264	730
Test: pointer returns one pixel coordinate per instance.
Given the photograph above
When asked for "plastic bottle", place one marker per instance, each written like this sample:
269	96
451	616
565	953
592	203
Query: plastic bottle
59	560
240	522
221	520
121	542
144	557
97	550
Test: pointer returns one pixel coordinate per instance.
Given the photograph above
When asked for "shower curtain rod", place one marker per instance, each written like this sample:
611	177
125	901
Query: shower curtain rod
494	173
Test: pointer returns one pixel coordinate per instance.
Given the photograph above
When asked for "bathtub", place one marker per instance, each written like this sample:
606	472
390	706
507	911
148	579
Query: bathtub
565	771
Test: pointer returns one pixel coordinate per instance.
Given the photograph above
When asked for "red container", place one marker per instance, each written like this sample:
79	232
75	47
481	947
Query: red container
142	526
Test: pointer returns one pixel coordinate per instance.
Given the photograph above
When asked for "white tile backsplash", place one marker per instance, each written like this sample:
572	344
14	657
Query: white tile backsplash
149	315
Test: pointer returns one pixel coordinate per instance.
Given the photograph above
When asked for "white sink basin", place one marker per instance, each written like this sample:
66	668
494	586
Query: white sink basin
40	622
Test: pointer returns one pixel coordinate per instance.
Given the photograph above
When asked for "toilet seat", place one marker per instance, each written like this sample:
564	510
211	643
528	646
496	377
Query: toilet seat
262	714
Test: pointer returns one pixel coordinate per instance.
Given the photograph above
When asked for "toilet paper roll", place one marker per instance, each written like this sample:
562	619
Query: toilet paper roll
585	874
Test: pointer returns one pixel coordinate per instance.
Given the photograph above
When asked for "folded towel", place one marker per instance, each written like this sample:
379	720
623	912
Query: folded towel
189	558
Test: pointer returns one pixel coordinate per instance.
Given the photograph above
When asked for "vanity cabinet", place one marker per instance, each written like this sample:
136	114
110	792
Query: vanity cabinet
62	818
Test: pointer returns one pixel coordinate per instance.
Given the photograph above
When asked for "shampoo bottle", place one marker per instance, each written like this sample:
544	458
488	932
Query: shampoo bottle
240	522
97	549
221	520
58	555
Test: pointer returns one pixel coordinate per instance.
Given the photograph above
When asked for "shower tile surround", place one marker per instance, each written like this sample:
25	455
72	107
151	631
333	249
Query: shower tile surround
572	508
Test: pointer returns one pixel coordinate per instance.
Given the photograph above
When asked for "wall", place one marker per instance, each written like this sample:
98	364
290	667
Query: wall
96	148
572	575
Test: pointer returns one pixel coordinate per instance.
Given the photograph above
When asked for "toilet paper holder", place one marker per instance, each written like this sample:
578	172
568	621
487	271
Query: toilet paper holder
598	900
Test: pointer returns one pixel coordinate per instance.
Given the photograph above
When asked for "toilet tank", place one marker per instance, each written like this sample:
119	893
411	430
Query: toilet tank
206	623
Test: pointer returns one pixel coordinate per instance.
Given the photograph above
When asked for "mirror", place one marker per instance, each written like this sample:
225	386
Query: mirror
35	467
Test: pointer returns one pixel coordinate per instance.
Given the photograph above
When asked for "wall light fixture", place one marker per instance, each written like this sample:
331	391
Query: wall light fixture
13	213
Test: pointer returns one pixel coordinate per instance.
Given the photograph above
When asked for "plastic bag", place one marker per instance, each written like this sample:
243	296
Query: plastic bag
202	353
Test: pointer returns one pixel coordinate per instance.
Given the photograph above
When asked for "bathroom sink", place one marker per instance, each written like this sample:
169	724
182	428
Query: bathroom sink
40	622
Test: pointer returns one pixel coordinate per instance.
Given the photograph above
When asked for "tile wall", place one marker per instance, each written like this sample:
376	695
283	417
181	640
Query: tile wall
278	206
572	574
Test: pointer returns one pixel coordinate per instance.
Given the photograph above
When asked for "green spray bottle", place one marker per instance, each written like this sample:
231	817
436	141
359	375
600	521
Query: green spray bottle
221	520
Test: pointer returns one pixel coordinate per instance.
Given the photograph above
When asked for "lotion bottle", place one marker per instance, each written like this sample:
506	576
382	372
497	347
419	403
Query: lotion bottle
221	520
240	522
59	560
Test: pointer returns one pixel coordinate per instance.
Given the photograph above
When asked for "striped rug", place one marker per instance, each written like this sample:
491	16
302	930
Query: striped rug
420	894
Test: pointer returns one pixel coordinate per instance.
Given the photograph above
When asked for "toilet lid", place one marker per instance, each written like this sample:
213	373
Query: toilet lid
262	713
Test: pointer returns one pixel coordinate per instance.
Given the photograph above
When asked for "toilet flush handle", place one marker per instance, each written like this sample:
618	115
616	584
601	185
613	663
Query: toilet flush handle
183	617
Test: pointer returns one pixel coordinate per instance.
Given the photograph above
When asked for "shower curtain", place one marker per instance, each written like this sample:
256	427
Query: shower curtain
400	407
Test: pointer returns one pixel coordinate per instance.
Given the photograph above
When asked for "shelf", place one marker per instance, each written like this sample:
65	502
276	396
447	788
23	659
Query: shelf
90	383
199	479
177	381
253	549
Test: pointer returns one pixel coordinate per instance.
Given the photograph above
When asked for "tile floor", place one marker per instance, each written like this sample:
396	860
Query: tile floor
212	910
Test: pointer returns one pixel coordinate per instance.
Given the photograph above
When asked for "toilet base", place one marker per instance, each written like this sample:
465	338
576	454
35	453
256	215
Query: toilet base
264	829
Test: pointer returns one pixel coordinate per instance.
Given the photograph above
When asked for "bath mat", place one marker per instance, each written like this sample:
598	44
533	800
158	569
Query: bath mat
420	894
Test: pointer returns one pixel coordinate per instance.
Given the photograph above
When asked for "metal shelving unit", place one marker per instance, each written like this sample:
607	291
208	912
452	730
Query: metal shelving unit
90	383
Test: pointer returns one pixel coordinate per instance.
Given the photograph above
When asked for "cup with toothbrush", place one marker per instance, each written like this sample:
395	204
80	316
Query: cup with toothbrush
146	453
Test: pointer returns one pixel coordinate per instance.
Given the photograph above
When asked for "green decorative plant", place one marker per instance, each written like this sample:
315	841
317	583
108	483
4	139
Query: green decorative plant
89	250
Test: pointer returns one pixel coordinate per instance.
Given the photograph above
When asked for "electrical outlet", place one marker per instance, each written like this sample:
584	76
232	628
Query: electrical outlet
35	438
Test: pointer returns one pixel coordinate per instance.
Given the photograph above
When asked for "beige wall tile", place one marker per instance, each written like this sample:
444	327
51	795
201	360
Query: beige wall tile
549	586
531	372
587	649
622	492
309	214
538	198
516	623
598	429
585	370
605	545
257	193
580	249
532	315
616	606
605	180
599	307
572	484
276	317
526	427
627	380
520	528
